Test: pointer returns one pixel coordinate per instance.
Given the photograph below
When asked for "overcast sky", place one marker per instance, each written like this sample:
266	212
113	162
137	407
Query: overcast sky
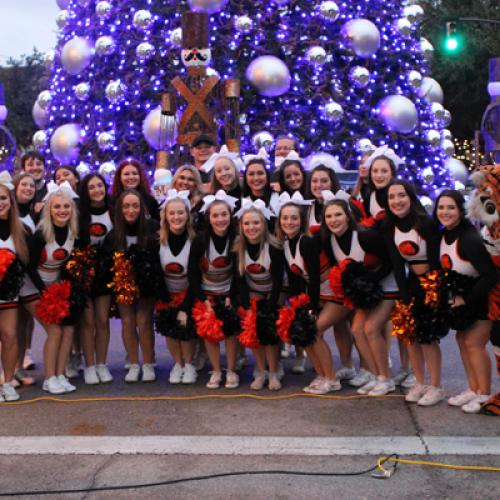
25	24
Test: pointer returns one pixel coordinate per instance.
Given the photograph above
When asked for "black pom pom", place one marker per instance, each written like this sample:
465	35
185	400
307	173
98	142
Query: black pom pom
462	317
360	286
303	328
231	321
266	324
148	273
12	281
167	325
77	304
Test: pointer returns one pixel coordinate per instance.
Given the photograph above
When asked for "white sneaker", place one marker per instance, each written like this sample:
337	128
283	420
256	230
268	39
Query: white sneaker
462	398
285	351
2	400
383	387
365	389
326	386
176	373
400	376
189	375
415	393
432	396
315	383
346	373
299	365
232	380
148	372
53	385
70	371
127	364
9	393
475	405
409	381
65	384
259	381
133	373
215	380
274	382
90	375
361	378
104	374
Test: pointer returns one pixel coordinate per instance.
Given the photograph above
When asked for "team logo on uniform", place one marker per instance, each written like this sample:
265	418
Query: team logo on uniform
408	248
220	262
296	270
174	268
97	229
60	254
446	262
256	269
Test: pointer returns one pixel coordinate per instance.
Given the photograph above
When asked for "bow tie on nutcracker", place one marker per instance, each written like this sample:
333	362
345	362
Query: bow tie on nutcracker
63	188
220	195
173	194
247	205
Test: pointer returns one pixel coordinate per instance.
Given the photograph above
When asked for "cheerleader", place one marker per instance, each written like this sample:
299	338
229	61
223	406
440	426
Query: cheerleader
95	224
131	174
302	264
13	252
50	248
464	256
261	264
69	174
292	176
413	242
133	241
225	175
172	321
210	270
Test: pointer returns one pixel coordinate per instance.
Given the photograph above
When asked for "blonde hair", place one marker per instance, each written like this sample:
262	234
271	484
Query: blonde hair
197	193
164	229
215	185
46	225
17	230
240	243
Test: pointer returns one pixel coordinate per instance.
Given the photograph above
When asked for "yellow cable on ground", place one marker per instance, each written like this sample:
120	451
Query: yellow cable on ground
433	464
198	398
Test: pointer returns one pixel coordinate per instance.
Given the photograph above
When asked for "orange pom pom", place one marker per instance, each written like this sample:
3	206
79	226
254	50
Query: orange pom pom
54	304
123	284
248	337
7	257
208	326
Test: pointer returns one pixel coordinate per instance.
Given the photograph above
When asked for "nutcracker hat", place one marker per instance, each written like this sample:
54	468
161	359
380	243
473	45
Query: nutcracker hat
195	30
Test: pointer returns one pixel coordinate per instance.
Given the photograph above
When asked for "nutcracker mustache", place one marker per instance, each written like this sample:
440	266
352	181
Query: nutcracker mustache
195	55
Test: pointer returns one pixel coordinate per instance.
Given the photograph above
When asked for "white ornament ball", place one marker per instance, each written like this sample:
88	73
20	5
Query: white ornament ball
427	203
115	90
433	137
329	10
83	169
428	175
105	141
263	139
365	146
413	13
142	19
65	141
316	55
82	91
40	139
4	112
363	35
208	6
105	46
360	76
430	90
159	130
333	111
162	177
62	18
427	48
446	118
398	113
76	55
404	26
460	187
269	75
108	168
448	147
446	135
40	116
415	78
176	37
145	51
103	9
437	110
44	99
243	24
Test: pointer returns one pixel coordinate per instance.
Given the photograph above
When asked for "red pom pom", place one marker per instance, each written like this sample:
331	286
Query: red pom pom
176	299
208	325
54	304
335	279
286	315
7	257
248	337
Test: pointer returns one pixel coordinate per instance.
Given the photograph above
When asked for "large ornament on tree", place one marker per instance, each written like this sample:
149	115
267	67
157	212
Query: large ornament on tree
44	99
160	135
457	169
333	111
40	116
39	139
263	139
145	51
65	142
360	76
105	140
398	113
208	6
430	90
269	75
76	55
363	35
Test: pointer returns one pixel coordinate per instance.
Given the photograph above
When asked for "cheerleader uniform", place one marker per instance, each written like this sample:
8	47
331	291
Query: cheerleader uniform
462	250
7	243
375	204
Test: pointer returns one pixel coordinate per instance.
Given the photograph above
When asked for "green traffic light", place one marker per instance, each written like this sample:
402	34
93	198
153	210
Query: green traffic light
451	44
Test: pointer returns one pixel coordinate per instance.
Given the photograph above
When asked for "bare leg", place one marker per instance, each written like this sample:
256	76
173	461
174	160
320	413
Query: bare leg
87	333
174	346
231	349
432	355
64	349
187	349
417	360
469	372
476	339
260	359
213	351
8	324
129	333
343	339
51	349
358	330
144	317
101	307
272	356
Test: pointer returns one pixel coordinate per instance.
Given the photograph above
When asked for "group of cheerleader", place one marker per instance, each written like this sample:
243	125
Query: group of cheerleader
236	254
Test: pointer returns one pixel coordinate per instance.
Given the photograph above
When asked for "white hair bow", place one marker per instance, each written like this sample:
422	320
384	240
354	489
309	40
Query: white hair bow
223	153
261	155
327	195
220	195
63	188
384	151
6	180
291	156
295	199
173	194
247	205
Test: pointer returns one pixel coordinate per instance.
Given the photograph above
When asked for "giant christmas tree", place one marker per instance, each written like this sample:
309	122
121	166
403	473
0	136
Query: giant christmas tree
340	72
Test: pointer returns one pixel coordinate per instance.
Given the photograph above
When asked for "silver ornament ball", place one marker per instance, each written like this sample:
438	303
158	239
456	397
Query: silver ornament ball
316	55
458	171
269	75
415	78
105	141
65	142
427	203
437	110
108	168
446	135
40	116
363	36
430	90
142	19
83	169
433	137
103	9
243	24
333	111
404	26
360	76
62	18
426	48
160	131
76	55
44	98
115	90
105	45
82	91
263	139
329	10
365	146
446	121
398	113
48	58
145	51
39	139
428	175
176	37
448	147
